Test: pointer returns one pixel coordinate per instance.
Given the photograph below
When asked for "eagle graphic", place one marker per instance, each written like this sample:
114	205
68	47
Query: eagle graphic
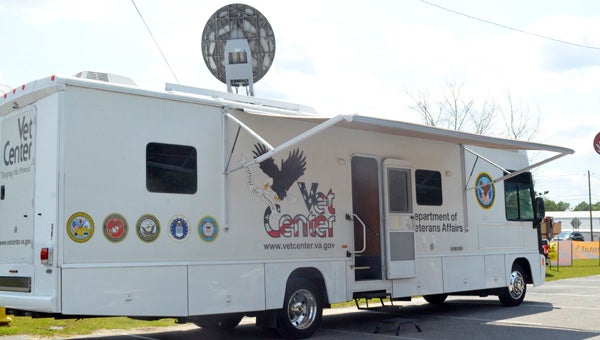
283	177
486	192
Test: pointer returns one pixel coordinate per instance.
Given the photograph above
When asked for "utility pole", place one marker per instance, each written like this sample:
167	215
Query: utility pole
590	202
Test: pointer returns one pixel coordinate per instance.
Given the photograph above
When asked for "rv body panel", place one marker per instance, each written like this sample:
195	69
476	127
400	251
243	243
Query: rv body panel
492	210
47	198
226	288
109	137
124	290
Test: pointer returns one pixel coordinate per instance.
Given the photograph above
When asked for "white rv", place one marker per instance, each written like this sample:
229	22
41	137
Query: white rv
207	206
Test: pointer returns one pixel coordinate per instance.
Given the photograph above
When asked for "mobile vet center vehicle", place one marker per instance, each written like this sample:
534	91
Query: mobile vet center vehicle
207	206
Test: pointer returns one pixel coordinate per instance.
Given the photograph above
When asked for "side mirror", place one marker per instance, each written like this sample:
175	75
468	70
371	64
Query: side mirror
539	208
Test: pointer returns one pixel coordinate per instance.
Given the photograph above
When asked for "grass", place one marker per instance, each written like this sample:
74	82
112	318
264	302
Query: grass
49	328
578	269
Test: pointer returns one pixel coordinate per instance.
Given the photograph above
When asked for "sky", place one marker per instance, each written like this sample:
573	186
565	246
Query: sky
343	57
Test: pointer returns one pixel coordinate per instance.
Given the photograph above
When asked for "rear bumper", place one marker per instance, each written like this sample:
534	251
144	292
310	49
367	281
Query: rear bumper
42	304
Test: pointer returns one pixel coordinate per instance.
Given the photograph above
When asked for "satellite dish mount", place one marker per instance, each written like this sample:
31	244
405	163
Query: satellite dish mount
238	65
238	46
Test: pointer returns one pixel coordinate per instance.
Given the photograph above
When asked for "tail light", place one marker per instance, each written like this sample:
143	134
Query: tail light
46	256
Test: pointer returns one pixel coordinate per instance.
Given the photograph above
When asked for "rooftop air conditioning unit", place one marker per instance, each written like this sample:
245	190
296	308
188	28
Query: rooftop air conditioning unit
106	77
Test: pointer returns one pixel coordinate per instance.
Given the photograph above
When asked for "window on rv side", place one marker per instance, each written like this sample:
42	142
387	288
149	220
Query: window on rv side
518	196
429	187
171	168
399	191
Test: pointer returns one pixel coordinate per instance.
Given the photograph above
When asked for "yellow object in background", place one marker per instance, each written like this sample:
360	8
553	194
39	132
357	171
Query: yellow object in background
4	320
552	253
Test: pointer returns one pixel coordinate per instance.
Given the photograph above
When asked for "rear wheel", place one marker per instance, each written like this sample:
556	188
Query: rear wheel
514	294
435	299
218	322
302	310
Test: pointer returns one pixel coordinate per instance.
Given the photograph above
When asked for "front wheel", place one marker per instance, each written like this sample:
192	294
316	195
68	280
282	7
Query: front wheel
514	294
302	310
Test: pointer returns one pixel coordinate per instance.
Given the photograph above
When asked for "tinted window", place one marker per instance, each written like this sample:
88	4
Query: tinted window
518	197
429	187
171	168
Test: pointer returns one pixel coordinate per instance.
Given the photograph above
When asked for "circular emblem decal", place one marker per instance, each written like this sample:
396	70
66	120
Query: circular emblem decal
148	228
80	227
115	227
485	191
208	229
179	228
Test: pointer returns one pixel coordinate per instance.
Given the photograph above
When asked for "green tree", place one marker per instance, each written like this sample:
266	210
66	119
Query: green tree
556	206
584	206
562	206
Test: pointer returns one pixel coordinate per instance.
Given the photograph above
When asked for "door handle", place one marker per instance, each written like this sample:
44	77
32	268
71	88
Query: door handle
364	228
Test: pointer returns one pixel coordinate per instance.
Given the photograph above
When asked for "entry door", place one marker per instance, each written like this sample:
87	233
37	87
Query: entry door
399	219
366	217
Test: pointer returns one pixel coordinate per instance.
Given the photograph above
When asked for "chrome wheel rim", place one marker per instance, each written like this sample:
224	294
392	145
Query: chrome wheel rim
302	309
517	285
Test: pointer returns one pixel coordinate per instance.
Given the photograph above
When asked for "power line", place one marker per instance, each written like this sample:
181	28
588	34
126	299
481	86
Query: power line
509	27
155	42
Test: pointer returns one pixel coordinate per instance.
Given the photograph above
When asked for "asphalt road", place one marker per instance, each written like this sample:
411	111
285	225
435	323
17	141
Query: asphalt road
565	309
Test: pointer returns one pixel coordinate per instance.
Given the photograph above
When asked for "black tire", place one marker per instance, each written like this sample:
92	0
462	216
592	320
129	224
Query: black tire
514	294
218	322
302	310
435	299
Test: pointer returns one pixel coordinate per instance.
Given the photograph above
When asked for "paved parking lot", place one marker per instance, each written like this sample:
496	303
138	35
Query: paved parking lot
561	310
566	309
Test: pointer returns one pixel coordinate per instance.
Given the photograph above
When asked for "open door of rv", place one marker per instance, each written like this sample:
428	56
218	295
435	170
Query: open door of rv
399	219
366	217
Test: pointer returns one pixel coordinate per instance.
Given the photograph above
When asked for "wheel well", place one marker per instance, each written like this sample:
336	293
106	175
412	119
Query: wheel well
313	275
521	261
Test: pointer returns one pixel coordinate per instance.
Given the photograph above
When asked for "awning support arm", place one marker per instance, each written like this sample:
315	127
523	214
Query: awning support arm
249	130
286	145
535	165
517	172
487	160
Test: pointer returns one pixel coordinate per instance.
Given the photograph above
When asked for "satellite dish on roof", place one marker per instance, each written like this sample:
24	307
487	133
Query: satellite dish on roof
238	46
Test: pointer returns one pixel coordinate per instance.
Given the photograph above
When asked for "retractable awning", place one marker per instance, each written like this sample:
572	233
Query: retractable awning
463	138
405	129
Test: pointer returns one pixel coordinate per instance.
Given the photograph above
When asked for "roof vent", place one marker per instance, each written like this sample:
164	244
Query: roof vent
106	77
